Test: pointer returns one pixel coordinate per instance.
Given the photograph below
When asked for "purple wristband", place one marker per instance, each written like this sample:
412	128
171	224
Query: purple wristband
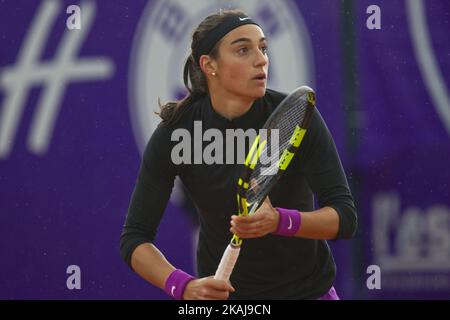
289	223
176	282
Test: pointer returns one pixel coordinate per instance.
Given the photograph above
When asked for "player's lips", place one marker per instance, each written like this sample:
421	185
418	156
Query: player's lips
260	76
260	79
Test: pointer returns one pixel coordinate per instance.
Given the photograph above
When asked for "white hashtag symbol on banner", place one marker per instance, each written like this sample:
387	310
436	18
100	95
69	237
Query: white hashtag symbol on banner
17	80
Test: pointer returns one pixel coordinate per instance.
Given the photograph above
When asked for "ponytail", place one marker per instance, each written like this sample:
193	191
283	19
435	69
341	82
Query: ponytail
193	77
171	112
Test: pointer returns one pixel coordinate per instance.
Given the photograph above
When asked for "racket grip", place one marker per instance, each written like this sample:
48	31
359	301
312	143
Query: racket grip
227	262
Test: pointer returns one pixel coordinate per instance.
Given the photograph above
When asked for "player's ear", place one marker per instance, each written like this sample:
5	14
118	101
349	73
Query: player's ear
207	65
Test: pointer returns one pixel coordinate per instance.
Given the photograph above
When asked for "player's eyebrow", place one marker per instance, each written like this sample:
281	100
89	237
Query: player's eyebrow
246	40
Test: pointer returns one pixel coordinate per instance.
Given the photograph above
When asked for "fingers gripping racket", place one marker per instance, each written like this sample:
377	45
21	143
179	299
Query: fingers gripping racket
288	124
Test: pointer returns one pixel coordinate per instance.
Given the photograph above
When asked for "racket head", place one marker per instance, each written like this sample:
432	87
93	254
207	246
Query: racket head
272	152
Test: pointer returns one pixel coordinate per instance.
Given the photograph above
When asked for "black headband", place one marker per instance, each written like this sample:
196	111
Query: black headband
206	45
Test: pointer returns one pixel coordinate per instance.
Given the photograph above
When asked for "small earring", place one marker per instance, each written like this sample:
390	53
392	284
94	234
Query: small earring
213	73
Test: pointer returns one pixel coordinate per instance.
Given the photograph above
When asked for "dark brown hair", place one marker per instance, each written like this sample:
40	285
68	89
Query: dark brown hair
171	112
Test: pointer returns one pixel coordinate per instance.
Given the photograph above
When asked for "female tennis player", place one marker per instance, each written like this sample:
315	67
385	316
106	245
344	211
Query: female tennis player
285	254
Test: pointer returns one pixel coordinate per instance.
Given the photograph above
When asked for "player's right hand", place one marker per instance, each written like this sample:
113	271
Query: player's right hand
207	289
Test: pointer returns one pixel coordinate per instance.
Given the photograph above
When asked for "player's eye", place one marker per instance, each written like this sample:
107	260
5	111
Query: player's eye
243	50
264	49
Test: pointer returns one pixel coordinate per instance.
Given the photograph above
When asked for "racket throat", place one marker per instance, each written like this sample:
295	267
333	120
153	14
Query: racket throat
236	241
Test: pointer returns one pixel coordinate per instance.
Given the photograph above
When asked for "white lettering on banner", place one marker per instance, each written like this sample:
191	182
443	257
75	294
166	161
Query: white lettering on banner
415	240
54	76
427	59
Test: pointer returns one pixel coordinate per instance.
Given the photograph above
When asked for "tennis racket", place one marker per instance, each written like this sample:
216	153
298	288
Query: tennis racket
288	124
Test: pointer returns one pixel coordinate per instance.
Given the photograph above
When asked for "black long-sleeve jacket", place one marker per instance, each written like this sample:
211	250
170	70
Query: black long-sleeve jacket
270	267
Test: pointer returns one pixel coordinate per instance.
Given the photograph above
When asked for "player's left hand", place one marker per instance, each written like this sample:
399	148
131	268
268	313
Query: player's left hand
262	222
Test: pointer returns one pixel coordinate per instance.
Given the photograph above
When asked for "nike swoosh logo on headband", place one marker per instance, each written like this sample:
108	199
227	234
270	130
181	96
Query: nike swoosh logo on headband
243	19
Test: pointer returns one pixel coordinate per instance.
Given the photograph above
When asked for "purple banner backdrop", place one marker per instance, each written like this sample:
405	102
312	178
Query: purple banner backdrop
404	70
76	110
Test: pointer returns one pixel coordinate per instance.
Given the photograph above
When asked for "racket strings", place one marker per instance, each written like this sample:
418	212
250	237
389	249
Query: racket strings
267	170
292	117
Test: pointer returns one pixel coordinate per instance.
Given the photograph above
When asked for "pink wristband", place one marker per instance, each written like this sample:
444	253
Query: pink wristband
289	223
176	283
